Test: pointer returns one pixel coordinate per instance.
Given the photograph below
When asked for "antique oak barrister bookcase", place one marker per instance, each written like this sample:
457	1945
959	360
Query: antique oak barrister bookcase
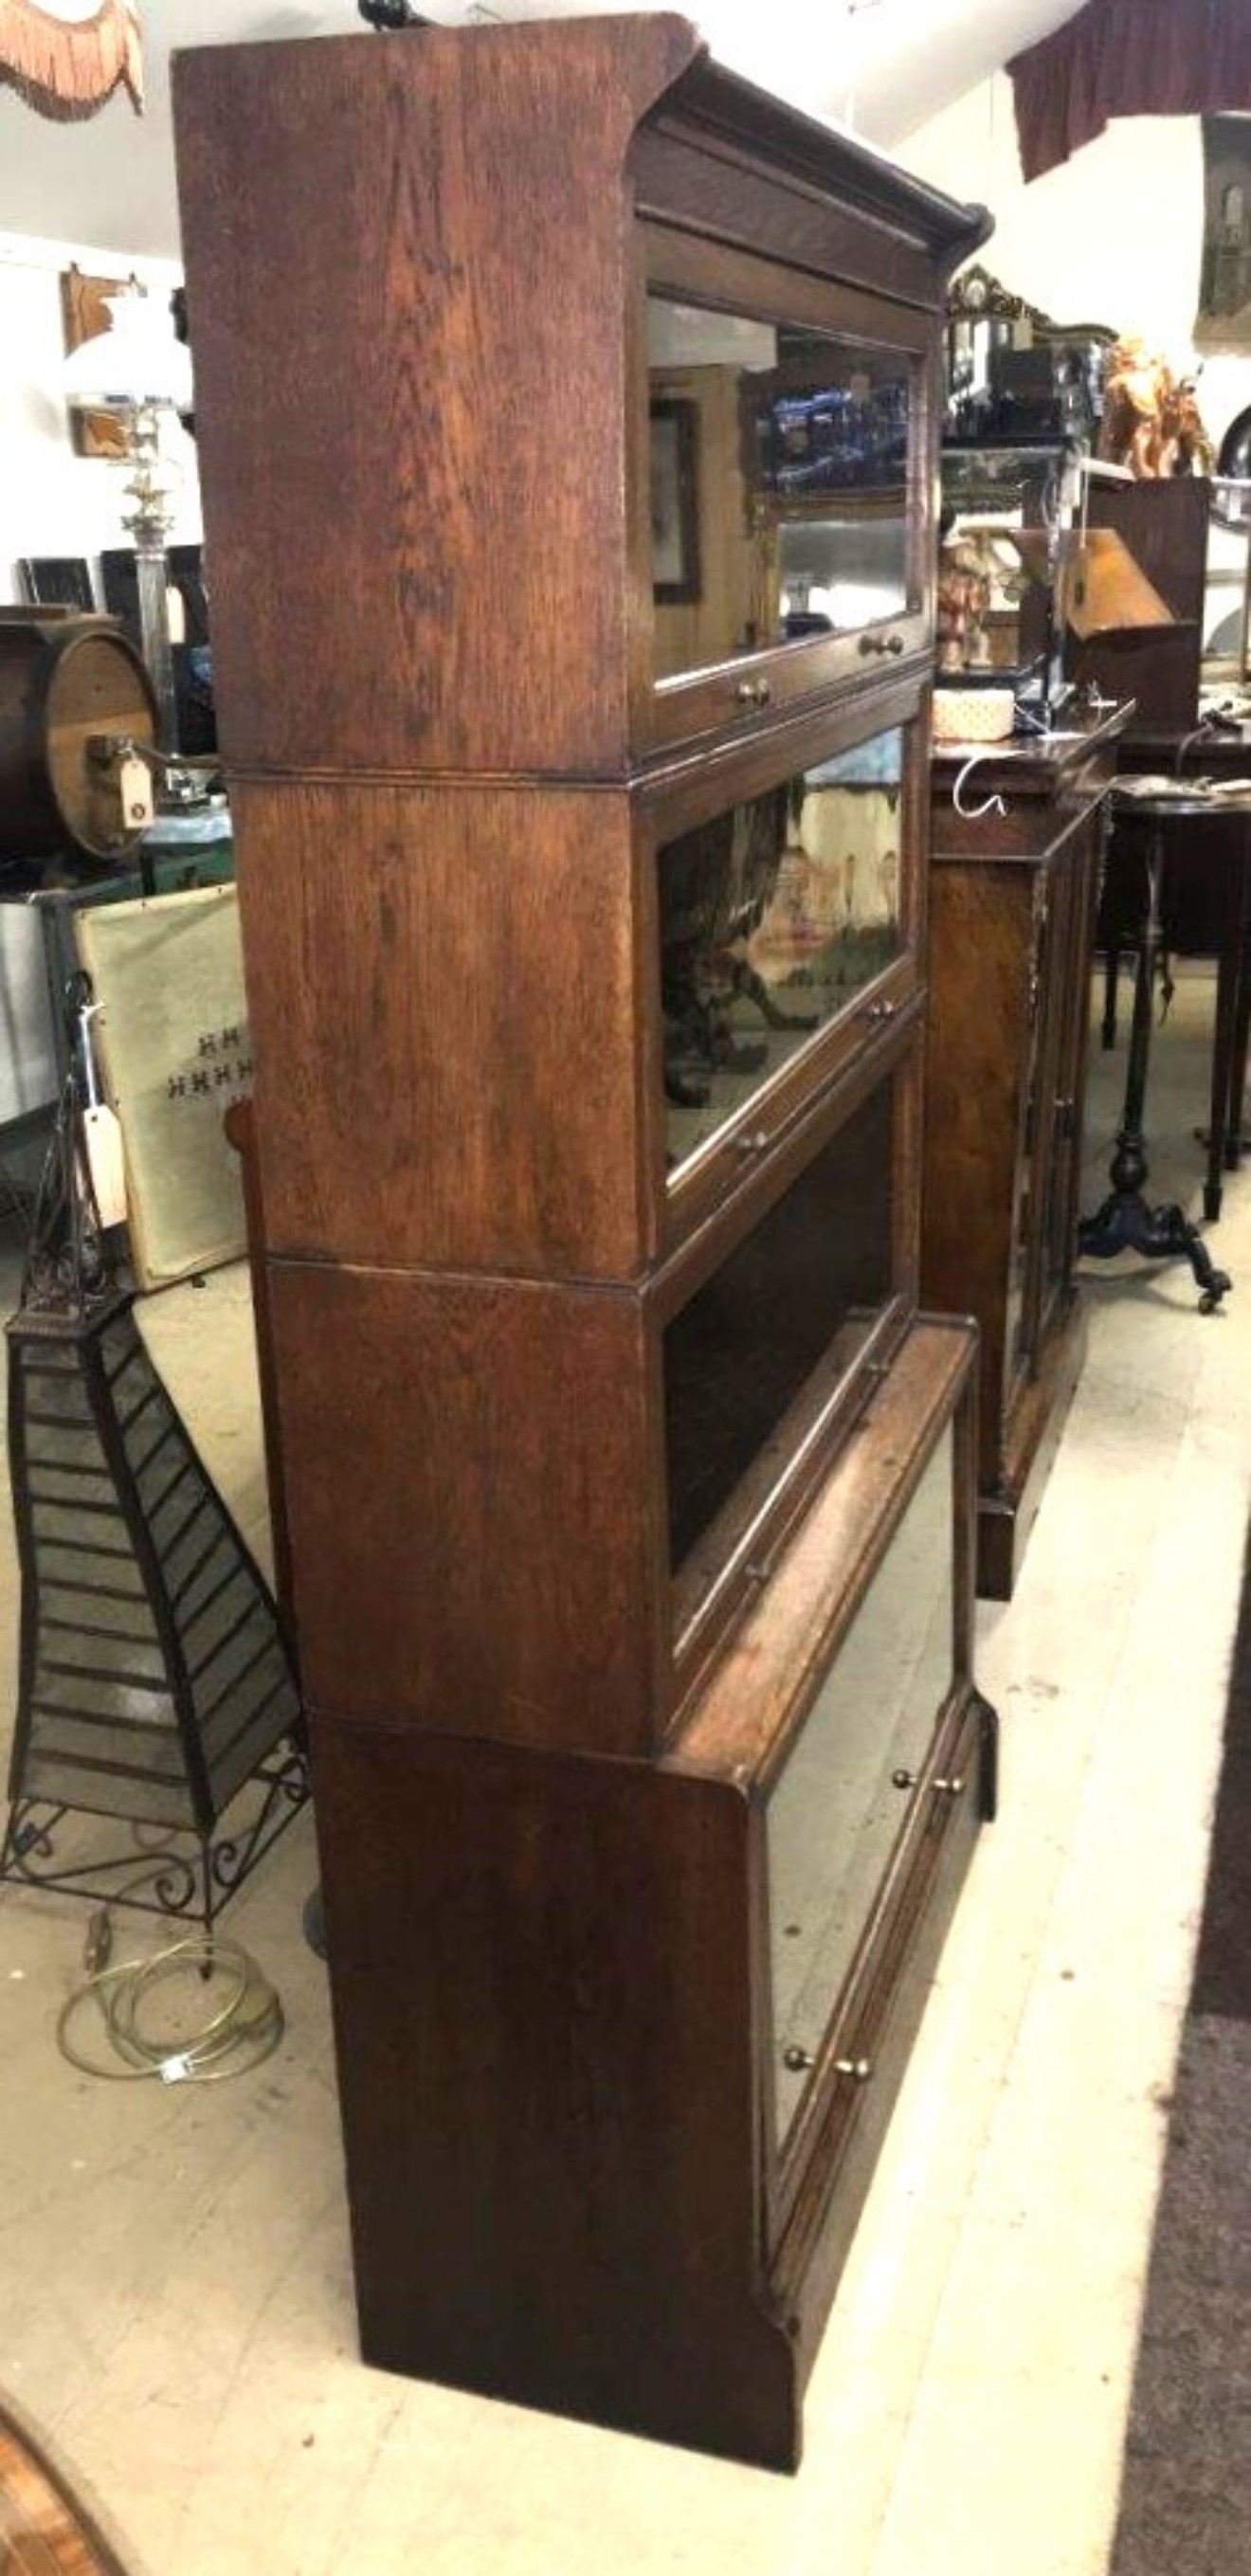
566	413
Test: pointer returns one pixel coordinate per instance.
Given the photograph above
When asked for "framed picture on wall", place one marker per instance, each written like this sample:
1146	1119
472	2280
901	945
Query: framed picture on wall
675	500
57	581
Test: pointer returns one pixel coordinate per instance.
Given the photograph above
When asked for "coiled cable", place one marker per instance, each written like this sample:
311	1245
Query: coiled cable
236	2030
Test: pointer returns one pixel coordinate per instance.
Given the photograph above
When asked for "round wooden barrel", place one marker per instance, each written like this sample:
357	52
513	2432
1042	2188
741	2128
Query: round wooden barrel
68	687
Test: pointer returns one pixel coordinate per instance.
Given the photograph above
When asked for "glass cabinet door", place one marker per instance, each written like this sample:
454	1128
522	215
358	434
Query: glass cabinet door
783	477
776	916
836	1812
756	1361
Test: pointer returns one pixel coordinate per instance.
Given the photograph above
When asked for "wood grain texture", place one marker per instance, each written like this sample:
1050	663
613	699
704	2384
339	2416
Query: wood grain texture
1012	914
977	1068
541	1970
417	289
444	989
43	2532
468	1469
438	564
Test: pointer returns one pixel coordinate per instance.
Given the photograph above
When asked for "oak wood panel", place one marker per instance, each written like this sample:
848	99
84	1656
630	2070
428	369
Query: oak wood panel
444	990
43	2532
437	563
981	941
467	1472
541	1972
708	183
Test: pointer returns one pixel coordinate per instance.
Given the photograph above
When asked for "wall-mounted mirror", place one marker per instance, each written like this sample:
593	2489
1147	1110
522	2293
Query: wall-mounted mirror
1013	372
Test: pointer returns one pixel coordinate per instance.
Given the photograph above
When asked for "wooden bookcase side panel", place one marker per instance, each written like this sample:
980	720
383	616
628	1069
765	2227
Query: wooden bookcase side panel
561	2202
469	1470
445	988
349	537
982	923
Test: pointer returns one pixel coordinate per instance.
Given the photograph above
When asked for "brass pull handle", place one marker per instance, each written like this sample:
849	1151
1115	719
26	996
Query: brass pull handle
858	2068
877	1013
881	644
753	693
953	1788
755	1143
798	2060
903	1779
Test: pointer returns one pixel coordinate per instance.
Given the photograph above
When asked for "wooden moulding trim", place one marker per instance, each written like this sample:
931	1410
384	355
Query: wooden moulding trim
826	719
733	1730
719	108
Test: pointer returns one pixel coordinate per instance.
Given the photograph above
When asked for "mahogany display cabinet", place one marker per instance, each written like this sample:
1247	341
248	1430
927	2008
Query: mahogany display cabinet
567	421
1013	895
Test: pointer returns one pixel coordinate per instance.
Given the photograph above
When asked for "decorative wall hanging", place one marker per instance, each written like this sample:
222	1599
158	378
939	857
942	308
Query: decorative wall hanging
65	66
84	314
157	1750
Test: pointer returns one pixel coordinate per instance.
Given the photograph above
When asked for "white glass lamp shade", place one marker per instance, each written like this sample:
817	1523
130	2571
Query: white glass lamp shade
137	360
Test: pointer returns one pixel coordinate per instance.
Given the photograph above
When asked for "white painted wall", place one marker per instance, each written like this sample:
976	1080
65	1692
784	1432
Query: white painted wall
1112	236
53	502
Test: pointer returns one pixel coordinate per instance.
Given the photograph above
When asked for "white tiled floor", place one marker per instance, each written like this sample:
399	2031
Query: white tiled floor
176	2312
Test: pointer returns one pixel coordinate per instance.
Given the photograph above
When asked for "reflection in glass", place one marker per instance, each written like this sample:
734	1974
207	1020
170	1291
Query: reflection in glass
774	916
759	1351
779	477
833	1818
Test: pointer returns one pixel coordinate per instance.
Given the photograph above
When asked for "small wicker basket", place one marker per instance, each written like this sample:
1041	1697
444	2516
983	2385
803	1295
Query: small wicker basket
973	715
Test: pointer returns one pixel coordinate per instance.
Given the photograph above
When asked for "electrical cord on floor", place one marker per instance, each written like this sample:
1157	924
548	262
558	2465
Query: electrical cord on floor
235	2032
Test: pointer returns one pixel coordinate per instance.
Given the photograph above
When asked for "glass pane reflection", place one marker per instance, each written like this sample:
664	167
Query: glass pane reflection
774	916
758	1353
833	1819
779	462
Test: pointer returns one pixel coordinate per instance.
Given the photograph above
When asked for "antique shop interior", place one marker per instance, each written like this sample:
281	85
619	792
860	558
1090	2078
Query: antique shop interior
625	971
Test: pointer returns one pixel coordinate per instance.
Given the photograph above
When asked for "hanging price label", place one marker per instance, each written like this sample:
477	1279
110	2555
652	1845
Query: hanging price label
138	807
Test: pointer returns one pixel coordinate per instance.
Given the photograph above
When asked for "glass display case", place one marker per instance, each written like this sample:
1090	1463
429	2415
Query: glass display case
1008	505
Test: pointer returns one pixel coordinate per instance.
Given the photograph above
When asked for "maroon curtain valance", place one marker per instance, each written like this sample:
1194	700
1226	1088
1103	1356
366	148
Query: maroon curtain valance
1129	58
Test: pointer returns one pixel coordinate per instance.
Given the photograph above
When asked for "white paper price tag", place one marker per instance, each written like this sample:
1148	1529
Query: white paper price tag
136	790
